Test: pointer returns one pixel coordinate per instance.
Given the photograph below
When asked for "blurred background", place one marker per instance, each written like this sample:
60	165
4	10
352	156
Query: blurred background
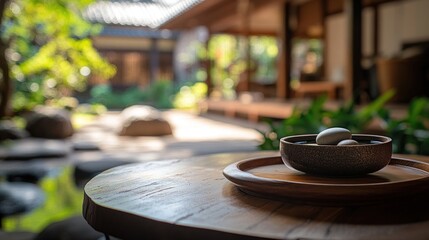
260	69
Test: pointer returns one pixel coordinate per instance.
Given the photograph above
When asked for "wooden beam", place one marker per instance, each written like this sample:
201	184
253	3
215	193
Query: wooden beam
208	65
244	8
376	31
324	10
228	9
285	53
353	11
154	61
252	32
192	15
225	24
337	6
228	18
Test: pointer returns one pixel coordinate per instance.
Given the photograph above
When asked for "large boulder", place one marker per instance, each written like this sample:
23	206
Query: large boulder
141	120
50	123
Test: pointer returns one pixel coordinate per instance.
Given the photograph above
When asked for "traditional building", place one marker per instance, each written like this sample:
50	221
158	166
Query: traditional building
129	39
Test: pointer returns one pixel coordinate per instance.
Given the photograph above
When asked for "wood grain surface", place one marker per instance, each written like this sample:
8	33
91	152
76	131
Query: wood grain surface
269	177
191	199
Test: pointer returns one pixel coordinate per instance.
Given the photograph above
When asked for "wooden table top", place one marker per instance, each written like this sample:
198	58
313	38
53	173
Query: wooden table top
191	199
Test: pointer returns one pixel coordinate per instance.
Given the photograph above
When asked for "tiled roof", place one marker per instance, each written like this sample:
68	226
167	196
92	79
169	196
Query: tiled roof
146	13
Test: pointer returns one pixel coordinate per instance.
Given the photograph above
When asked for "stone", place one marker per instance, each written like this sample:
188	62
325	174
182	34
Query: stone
50	123
32	148
9	131
332	136
347	142
85	146
141	120
16	198
29	171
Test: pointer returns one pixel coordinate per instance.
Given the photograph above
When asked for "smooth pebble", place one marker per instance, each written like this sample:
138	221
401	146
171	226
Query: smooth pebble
347	142
332	136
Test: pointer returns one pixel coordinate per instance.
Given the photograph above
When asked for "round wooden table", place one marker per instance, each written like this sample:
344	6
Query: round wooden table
191	199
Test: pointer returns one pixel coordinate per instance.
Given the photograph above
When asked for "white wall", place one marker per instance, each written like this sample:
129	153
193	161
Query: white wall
335	47
404	21
400	22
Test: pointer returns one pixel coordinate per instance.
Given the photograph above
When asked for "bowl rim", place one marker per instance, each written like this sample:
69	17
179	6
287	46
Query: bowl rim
305	137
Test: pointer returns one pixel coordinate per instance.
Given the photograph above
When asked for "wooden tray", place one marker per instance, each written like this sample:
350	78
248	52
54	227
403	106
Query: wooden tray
269	177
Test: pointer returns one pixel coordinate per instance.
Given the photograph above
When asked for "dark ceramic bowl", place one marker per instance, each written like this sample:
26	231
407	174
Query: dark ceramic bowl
301	153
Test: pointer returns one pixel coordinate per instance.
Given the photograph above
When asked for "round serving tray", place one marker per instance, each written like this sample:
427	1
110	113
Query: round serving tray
269	177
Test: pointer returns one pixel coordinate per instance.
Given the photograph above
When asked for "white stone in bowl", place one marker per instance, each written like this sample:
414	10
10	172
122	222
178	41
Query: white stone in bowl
332	136
347	142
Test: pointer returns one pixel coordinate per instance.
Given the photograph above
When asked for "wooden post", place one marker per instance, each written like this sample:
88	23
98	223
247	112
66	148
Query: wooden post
353	10
285	54
154	61
324	11
375	33
244	13
208	66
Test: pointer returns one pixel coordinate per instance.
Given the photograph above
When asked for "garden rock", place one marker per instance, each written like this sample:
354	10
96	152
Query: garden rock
50	123
16	198
32	148
29	171
8	130
143	120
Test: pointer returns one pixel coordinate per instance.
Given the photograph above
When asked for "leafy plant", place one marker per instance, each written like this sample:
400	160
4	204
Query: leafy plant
317	118
355	119
159	94
50	51
188	97
62	200
300	122
411	134
104	94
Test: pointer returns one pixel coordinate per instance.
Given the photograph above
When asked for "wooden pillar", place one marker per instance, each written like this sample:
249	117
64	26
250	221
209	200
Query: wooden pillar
285	53
375	33
324	11
154	61
208	66
244	13
353	10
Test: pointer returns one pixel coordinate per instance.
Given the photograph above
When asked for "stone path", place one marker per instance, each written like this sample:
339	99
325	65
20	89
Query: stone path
192	135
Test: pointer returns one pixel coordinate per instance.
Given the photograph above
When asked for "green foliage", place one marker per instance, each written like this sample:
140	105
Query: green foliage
301	121
104	94
188	97
411	134
227	54
264	52
356	120
316	118
51	53
92	109
69	103
159	94
62	200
